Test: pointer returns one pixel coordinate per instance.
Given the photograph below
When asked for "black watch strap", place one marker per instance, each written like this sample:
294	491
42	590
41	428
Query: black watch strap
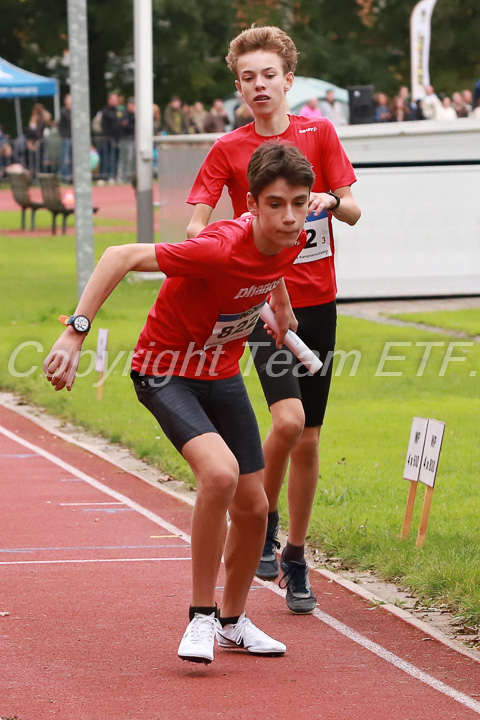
335	207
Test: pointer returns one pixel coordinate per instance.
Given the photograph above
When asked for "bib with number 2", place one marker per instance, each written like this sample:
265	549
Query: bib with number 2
318	244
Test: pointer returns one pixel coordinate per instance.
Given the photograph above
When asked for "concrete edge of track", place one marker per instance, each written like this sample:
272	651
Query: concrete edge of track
8	401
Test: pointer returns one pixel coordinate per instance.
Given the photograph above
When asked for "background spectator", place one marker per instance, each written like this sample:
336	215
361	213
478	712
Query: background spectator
39	120
468	100
476	111
382	109
52	148
188	118
157	120
65	131
399	110
431	103
111	134
311	110
217	119
333	110
5	152
447	111
173	119
404	93
459	105
198	115
127	142
243	115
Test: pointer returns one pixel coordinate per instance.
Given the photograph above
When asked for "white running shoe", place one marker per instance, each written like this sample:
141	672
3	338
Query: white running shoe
244	634
199	639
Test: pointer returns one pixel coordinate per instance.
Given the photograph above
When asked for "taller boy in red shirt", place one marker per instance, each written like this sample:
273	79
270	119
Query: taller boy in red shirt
263	60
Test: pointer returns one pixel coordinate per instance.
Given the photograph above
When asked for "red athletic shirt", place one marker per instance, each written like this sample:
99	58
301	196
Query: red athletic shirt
209	302
312	280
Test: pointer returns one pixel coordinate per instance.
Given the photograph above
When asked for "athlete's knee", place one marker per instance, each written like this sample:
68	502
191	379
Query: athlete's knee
308	444
288	424
251	518
218	486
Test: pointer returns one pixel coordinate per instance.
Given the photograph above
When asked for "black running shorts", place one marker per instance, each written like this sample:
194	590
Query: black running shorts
185	408
282	376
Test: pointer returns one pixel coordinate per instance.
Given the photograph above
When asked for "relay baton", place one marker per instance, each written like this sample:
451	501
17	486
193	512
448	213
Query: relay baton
292	341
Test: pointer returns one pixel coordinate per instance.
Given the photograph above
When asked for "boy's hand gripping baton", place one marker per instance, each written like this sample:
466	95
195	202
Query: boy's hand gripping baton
292	341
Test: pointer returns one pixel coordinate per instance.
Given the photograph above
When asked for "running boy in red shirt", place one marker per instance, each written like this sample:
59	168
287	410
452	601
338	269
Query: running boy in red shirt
186	371
263	60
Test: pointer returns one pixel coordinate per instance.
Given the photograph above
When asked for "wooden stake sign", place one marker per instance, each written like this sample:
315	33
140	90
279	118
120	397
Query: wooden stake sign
411	471
428	472
102	344
421	466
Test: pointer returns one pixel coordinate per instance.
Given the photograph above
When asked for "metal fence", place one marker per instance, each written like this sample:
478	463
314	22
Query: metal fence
111	161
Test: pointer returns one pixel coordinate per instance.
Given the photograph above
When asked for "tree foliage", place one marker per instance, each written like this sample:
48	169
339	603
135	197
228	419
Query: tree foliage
350	42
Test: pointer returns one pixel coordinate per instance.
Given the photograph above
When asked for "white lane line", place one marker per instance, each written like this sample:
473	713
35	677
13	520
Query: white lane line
98	560
89	504
335	624
96	484
388	656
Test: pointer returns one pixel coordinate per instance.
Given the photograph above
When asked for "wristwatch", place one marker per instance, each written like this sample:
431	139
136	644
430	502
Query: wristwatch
80	323
335	207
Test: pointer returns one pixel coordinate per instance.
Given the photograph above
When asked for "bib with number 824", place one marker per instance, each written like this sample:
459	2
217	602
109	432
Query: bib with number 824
318	244
232	327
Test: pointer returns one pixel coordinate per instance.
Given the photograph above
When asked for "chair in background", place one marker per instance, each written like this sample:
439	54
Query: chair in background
20	184
52	198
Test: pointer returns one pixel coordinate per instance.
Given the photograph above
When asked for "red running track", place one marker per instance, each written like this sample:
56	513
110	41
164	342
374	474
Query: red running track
95	578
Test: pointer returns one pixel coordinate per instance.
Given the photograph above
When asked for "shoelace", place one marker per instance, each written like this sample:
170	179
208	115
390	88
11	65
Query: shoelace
295	578
203	628
271	542
239	630
271	545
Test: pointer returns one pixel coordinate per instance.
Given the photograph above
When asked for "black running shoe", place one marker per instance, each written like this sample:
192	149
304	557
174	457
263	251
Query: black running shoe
268	565
300	598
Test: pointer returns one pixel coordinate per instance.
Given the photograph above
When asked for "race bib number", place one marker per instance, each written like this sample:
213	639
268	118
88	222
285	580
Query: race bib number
319	244
232	327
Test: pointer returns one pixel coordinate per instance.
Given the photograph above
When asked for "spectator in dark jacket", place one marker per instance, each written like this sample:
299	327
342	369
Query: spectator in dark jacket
111	132
65	130
127	143
173	118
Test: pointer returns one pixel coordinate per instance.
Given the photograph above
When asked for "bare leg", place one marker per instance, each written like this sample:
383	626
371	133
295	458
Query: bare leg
287	424
302	484
216	473
245	538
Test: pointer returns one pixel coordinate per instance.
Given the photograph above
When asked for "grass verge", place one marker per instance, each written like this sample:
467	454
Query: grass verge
383	377
463	321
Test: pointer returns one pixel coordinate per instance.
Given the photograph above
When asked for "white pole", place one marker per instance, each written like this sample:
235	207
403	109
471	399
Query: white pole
144	117
82	174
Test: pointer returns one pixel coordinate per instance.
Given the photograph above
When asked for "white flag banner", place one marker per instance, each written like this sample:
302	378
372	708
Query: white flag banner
420	32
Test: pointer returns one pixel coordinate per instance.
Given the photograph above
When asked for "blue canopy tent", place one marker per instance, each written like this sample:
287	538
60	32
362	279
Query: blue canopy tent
17	83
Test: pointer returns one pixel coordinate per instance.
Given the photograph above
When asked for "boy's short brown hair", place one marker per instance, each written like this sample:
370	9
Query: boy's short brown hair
267	38
272	160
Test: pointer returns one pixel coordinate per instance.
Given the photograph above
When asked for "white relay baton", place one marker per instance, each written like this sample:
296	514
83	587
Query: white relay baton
292	341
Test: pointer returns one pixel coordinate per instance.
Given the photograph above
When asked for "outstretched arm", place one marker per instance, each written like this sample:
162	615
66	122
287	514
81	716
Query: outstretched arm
61	363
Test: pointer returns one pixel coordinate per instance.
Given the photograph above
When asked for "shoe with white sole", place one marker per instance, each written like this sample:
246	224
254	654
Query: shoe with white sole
244	634
199	639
